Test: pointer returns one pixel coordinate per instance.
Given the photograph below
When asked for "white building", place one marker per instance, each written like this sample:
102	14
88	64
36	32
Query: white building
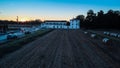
74	24
54	24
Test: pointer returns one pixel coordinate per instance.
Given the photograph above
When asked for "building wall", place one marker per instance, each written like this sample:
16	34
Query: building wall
74	24
54	25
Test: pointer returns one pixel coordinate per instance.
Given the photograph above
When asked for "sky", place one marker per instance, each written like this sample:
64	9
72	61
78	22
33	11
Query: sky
52	9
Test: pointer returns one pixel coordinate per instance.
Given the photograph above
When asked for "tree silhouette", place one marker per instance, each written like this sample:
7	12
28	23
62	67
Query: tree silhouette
100	20
81	18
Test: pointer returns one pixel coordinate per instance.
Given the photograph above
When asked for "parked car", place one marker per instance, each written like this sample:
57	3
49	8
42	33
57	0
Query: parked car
12	35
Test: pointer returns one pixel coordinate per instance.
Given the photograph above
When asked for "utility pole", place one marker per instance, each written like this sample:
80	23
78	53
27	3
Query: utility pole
17	19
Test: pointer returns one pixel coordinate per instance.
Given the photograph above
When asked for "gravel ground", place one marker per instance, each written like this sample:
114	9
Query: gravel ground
63	49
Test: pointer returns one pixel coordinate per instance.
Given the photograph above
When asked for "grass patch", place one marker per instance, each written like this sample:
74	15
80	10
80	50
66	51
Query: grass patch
18	43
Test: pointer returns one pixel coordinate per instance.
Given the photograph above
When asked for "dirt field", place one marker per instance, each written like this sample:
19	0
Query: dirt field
63	49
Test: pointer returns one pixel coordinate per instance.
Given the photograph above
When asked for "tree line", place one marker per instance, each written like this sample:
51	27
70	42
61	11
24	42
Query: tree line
33	22
109	20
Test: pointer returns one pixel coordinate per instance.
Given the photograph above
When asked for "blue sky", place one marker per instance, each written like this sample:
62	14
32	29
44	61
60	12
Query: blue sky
52	9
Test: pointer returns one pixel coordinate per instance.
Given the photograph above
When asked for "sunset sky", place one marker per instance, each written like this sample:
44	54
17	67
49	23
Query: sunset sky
52	9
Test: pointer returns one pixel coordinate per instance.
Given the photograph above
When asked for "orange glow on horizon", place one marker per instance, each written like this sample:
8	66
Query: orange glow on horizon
23	20
26	18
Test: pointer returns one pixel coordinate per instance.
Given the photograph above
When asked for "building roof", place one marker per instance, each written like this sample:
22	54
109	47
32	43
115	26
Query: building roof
55	21
73	19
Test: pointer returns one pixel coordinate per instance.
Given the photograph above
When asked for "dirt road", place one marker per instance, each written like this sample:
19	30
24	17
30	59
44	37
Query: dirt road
61	49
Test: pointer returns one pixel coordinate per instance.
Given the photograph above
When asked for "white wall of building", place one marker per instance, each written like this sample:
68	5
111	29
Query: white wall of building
74	24
54	25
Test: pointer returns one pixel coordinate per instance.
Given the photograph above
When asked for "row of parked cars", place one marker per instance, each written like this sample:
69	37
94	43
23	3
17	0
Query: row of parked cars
14	35
21	33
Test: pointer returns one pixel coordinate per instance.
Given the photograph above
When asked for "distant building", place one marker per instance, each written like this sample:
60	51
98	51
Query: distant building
55	24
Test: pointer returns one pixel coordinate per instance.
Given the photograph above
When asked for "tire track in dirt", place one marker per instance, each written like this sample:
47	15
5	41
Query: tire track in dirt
81	59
